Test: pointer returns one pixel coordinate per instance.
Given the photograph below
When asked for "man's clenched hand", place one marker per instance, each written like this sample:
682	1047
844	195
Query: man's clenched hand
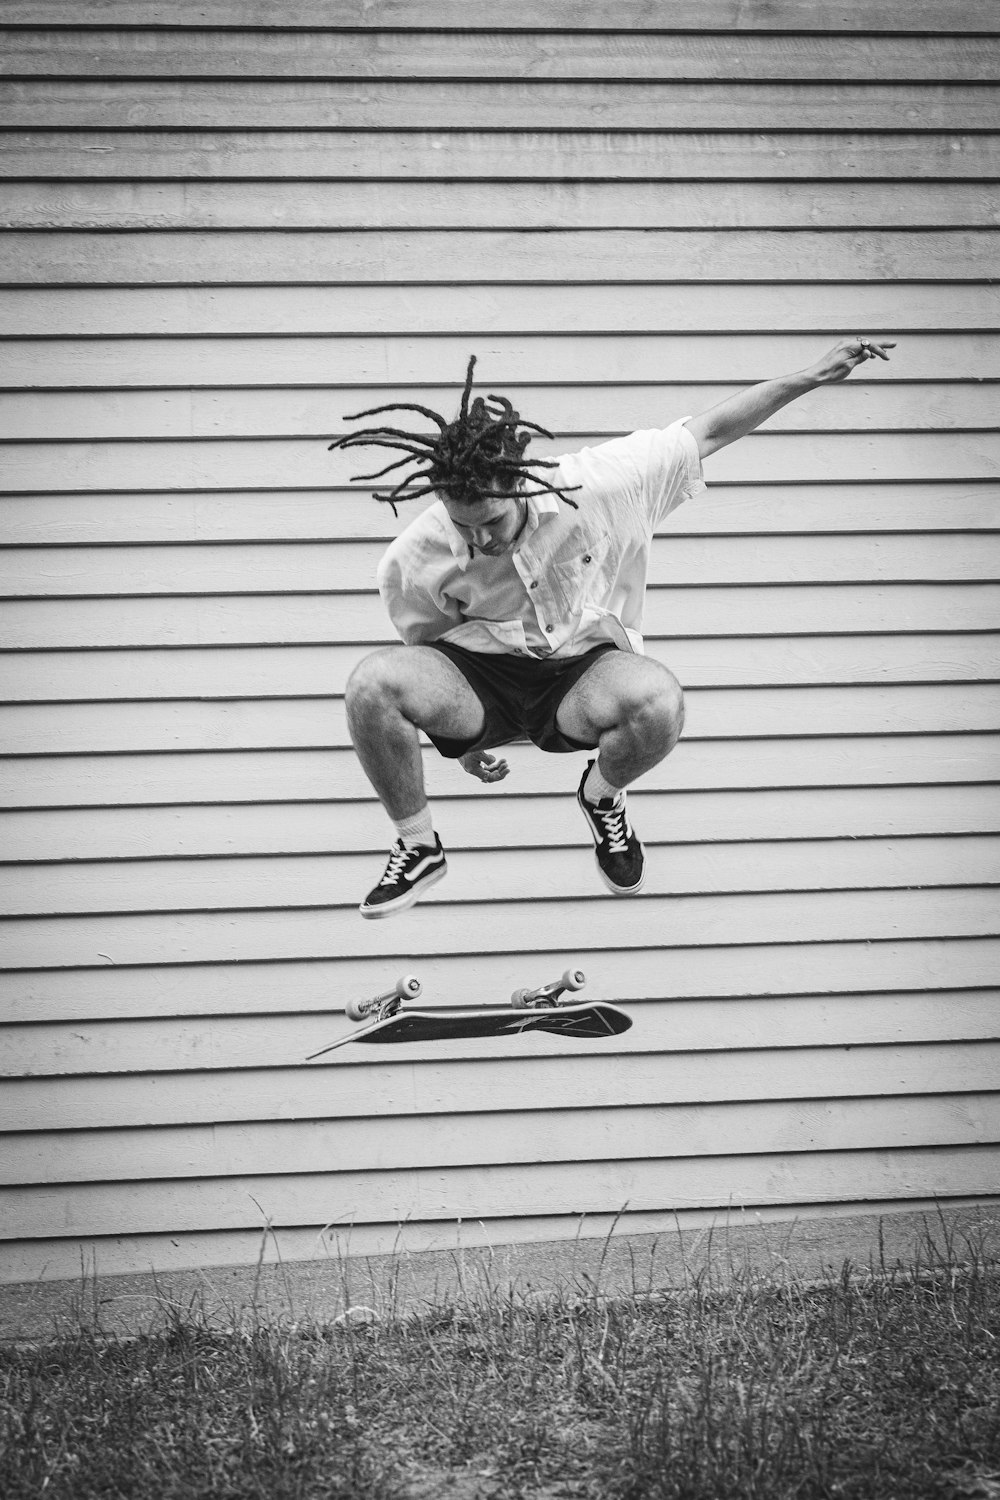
484	766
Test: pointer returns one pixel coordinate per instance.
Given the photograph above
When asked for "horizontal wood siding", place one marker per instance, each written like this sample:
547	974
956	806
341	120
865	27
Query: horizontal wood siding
221	227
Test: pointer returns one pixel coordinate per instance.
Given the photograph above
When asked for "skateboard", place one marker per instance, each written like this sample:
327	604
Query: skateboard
540	1009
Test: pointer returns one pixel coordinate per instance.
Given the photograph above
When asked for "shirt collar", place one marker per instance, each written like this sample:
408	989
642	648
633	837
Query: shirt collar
540	508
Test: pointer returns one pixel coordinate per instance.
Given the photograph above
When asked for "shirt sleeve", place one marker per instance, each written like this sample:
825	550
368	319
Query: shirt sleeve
657	469
417	612
671	469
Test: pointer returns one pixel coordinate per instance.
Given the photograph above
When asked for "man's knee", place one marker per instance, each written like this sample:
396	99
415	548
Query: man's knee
672	701
656	706
373	682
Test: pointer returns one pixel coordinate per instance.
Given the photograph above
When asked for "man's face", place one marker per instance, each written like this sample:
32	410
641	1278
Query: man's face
491	525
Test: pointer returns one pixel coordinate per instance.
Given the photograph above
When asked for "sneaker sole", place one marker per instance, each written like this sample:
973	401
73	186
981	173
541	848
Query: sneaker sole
390	908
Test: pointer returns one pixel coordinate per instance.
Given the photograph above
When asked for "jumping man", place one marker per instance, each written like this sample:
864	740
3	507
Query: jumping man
519	597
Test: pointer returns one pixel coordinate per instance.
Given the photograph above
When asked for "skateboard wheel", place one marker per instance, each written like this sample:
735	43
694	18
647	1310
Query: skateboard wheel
573	979
519	999
356	1010
409	987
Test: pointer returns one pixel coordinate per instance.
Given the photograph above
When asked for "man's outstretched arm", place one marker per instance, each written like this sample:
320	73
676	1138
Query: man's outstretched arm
734	418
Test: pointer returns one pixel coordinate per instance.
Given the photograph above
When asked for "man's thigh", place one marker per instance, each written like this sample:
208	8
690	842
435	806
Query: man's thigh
617	685
425	686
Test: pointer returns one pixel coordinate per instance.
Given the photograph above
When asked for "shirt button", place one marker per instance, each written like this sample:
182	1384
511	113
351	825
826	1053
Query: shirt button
548	630
535	584
588	558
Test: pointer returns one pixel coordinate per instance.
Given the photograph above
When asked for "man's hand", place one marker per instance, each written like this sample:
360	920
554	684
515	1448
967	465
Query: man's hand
845	357
484	766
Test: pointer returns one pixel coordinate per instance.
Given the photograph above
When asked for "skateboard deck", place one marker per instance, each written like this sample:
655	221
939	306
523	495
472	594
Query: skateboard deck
590	1020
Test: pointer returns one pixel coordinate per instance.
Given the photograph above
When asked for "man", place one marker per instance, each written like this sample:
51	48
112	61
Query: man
520	603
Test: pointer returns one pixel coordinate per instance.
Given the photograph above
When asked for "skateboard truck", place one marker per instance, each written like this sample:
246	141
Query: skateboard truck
378	1007
548	994
408	987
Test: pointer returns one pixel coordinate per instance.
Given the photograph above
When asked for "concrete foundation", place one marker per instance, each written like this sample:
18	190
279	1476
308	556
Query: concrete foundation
377	1287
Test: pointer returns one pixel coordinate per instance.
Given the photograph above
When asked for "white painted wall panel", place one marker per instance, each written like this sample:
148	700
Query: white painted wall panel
493	54
489	205
680	15
569	1188
643	1132
389	363
488	310
216	241
585	927
31	257
901	151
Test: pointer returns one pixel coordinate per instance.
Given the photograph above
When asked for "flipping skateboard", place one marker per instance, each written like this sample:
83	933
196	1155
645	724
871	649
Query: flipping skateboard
540	1009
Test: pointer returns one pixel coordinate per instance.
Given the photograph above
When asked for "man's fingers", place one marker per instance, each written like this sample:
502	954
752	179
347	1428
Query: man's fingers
485	766
861	349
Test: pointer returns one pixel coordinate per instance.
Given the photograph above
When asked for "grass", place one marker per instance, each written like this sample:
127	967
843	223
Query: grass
878	1384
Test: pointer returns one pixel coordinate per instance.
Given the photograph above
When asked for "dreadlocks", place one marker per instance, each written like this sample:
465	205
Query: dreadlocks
479	454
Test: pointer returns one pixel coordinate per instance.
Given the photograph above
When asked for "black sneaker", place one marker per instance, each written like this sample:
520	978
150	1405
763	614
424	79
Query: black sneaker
619	854
408	874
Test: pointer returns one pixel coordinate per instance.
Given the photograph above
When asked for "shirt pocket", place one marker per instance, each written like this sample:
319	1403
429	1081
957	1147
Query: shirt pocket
584	578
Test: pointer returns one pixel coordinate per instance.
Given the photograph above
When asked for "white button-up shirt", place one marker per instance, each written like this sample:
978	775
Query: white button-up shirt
575	577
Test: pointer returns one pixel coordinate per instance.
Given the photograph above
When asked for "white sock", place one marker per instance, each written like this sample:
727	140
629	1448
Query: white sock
416	830
597	789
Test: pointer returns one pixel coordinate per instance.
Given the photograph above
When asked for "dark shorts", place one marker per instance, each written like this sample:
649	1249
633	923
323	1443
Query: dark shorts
520	697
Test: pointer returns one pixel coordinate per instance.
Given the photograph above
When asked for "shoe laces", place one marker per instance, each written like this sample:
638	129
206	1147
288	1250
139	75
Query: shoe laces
397	860
616	829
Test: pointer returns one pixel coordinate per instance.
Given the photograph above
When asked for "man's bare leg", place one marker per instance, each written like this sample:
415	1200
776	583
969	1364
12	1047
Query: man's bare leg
634	709
391	696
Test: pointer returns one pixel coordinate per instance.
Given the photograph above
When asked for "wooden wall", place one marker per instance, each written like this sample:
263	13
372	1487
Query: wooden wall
221	232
